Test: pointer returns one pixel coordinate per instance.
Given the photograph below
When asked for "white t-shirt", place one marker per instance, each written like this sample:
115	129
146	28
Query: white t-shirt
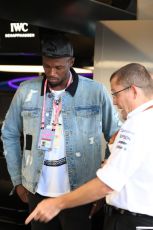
129	169
54	179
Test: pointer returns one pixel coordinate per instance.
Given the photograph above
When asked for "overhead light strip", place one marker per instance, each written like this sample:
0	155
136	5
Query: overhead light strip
33	69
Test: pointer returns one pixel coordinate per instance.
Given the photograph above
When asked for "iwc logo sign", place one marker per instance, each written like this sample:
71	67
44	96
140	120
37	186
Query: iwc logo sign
19	37
19	30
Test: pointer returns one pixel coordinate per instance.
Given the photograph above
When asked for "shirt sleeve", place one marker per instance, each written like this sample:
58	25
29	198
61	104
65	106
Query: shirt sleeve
126	157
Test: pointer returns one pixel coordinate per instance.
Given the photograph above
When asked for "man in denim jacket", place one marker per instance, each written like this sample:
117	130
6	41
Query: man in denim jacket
62	117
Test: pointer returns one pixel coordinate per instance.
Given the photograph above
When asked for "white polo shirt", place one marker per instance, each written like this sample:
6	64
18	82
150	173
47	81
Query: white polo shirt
129	170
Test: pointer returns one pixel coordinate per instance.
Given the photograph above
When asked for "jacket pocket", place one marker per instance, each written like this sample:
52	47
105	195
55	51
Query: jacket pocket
87	111
87	119
31	122
30	112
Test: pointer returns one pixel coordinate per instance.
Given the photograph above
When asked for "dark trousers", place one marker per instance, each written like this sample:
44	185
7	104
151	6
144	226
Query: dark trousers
69	219
118	221
98	220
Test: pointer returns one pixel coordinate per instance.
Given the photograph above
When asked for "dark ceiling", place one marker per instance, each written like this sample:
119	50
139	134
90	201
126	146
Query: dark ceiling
75	18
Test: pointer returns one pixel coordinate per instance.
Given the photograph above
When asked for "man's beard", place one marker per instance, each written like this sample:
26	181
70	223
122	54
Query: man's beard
54	83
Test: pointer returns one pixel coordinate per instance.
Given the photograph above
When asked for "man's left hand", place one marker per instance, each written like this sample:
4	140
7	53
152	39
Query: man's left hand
45	211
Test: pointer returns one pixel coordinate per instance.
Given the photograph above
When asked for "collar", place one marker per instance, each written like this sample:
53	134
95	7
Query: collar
141	108
72	87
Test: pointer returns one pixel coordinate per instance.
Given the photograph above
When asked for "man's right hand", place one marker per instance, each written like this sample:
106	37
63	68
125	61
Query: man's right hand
22	193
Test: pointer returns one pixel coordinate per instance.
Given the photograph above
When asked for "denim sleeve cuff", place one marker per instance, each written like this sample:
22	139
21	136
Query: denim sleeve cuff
16	180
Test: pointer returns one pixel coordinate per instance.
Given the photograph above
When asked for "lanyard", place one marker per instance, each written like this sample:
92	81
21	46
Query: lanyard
44	107
57	105
150	107
57	108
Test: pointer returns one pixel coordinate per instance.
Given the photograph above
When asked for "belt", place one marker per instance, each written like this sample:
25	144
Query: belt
108	209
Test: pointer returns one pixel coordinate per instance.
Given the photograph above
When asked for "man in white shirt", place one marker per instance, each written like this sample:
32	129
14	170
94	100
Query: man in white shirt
126	178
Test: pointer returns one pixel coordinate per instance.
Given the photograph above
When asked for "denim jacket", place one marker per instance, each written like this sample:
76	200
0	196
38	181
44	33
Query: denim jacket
87	111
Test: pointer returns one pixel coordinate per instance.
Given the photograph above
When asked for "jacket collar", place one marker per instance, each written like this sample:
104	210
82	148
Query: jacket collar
72	87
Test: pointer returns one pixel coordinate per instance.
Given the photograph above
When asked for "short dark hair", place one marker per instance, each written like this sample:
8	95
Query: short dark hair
134	74
56	45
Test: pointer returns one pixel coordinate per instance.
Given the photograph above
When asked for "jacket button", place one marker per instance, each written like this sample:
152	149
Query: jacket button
78	154
49	95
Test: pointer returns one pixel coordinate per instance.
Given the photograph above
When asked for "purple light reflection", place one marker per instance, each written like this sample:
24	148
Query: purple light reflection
12	83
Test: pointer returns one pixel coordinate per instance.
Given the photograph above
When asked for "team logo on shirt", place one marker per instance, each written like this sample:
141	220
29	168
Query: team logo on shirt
125	137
